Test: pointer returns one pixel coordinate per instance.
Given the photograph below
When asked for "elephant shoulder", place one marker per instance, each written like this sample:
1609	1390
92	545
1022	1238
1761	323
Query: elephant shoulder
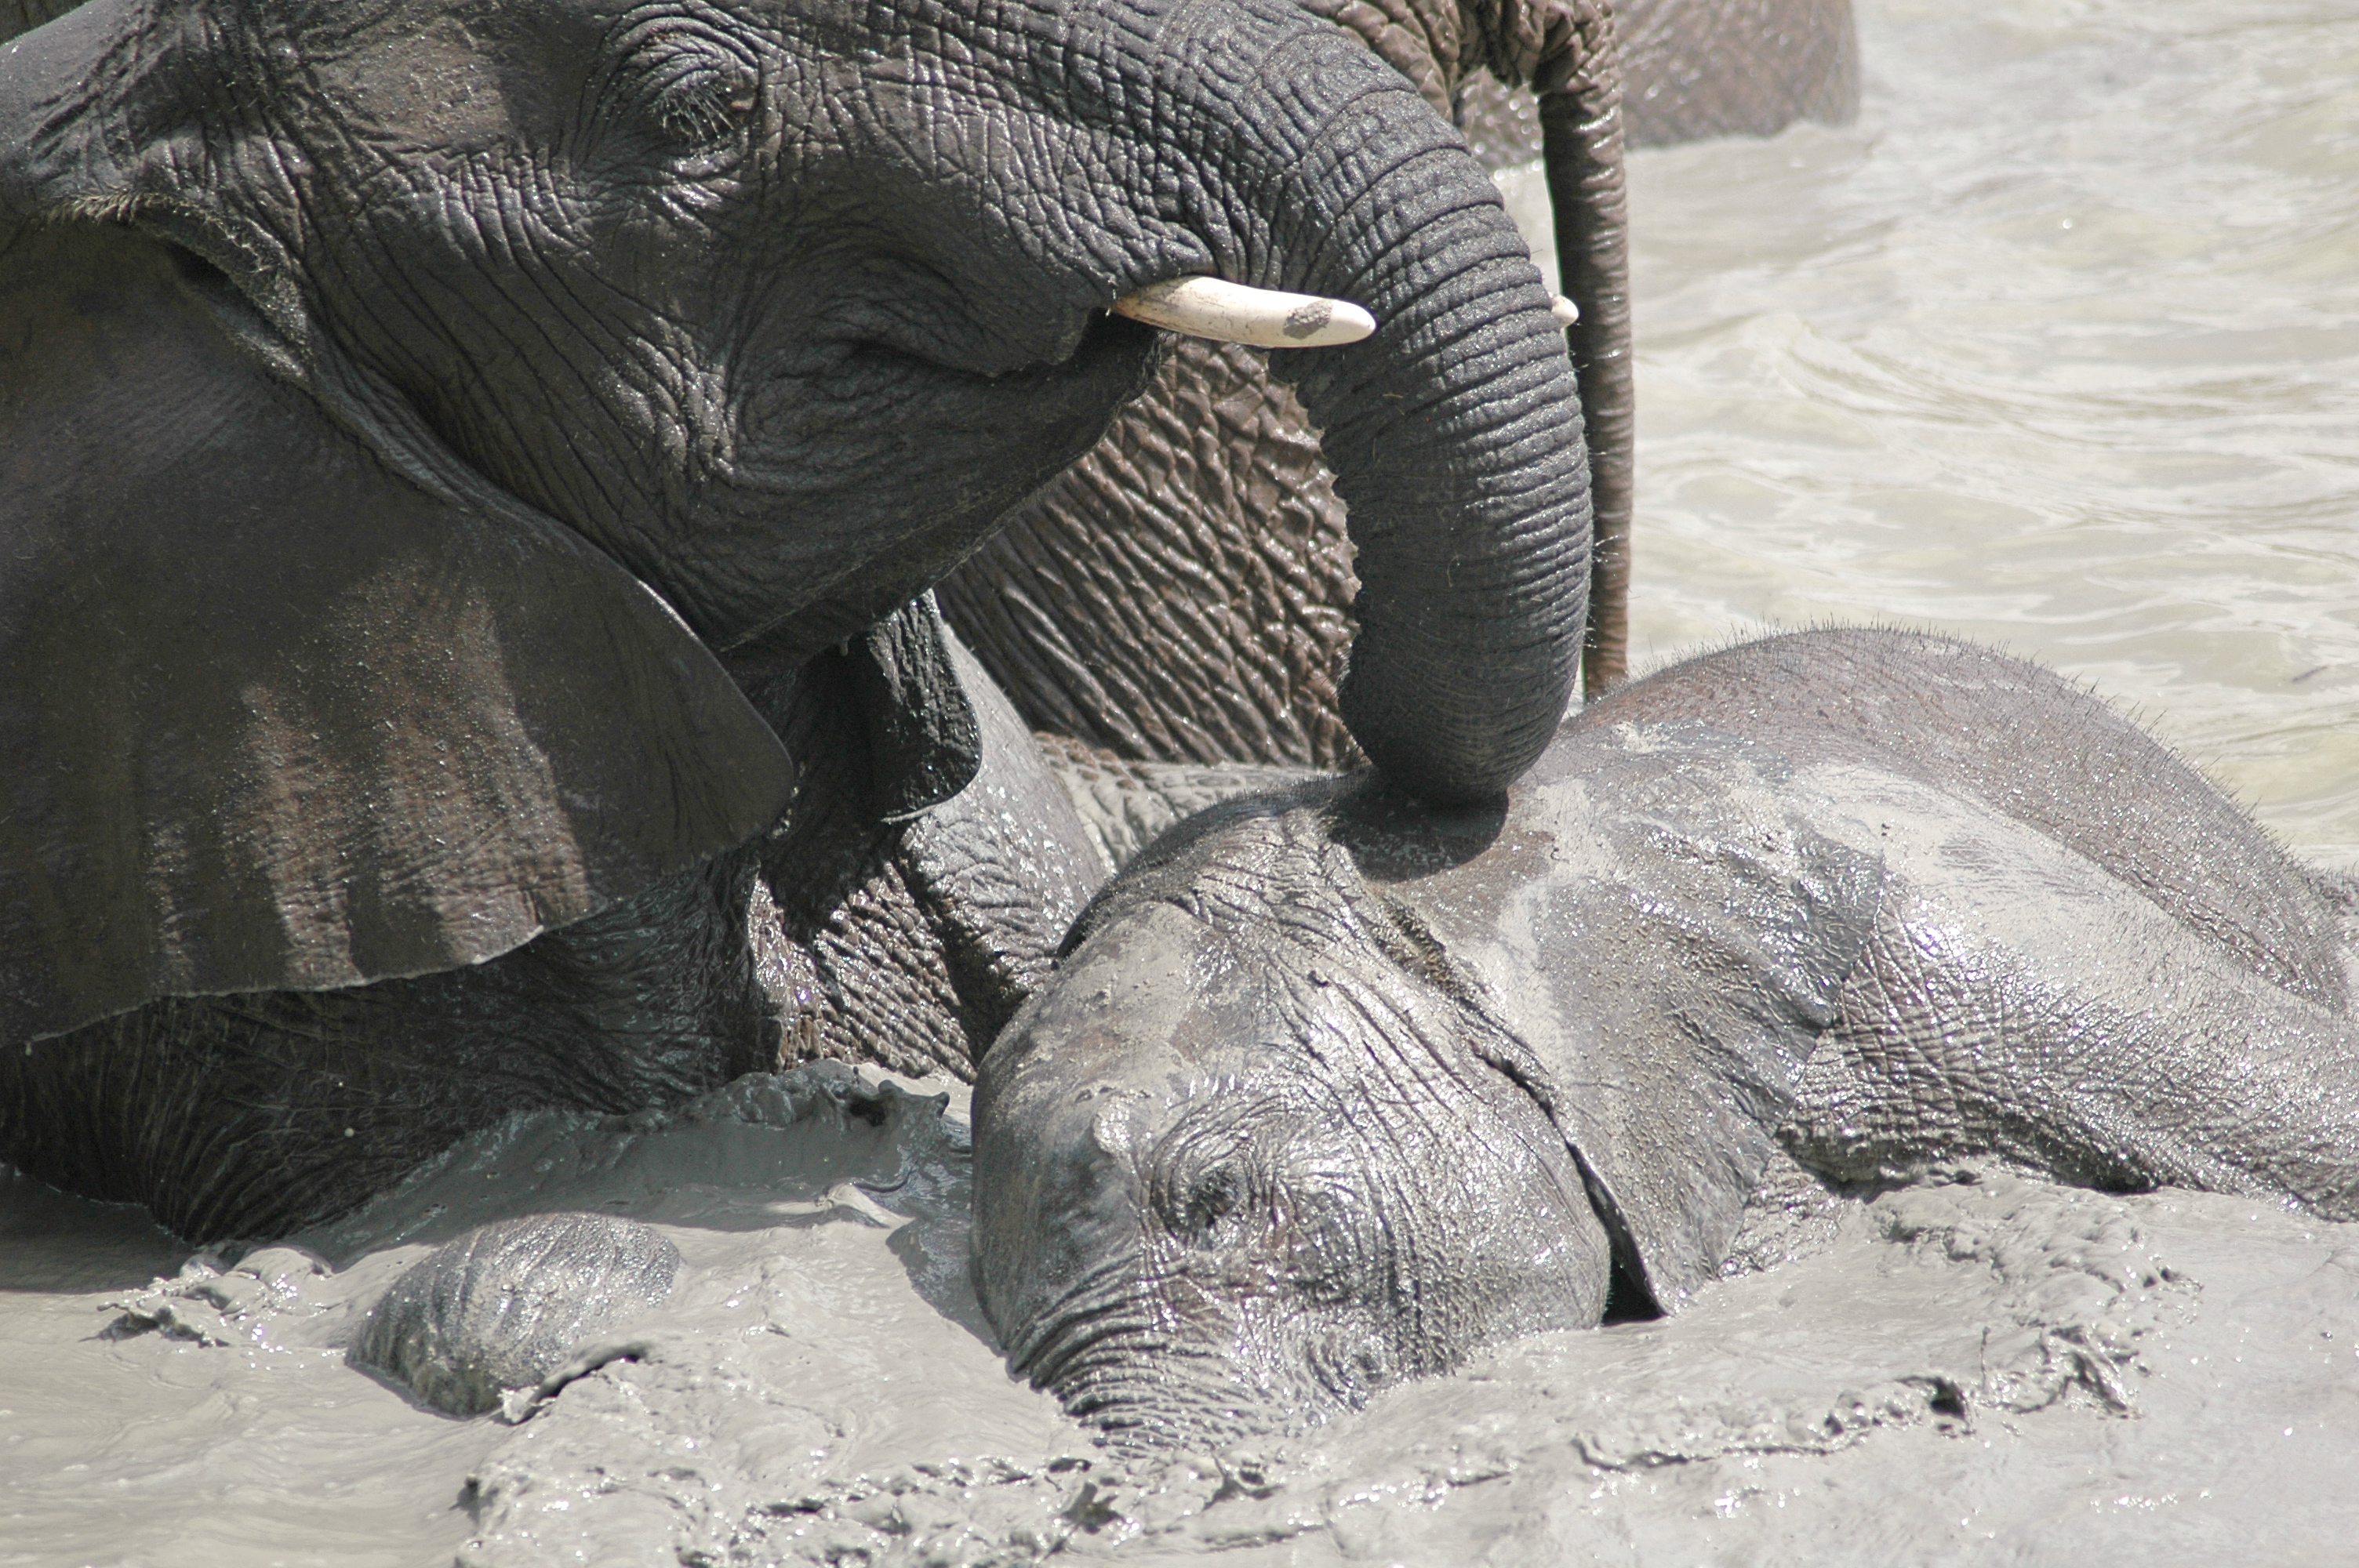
1663	916
275	716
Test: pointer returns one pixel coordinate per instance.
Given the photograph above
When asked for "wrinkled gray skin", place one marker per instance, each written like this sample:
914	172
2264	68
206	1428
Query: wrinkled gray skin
570	400
1182	593
851	925
503	1308
1334	1090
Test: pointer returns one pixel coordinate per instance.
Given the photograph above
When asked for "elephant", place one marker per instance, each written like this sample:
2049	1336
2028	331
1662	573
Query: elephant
1182	593
1692	70
473	475
1334	1089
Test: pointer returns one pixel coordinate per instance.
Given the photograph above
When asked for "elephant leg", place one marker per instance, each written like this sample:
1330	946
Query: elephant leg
256	1114
1182	594
842	944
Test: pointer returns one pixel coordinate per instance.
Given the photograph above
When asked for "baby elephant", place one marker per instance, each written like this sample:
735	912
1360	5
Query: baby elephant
1334	1088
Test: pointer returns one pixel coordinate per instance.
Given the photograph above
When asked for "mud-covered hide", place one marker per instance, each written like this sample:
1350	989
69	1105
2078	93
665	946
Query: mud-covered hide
1647	936
2069	769
1659	934
499	1311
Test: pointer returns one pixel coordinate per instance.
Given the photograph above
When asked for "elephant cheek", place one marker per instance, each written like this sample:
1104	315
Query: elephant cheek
868	481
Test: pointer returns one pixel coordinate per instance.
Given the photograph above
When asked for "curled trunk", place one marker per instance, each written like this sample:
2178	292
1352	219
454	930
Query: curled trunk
1453	432
1182	593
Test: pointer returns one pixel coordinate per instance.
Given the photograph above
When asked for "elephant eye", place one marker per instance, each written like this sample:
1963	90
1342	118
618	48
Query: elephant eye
701	108
1207	1200
1212	1198
691	85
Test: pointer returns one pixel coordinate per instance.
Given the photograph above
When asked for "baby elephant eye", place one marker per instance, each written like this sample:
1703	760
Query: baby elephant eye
1210	1198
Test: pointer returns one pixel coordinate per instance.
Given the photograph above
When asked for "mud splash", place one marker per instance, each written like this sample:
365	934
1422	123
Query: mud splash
1982	1363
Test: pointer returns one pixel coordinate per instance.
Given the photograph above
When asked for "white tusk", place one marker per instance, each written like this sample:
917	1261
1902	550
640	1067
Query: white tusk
1231	313
1566	312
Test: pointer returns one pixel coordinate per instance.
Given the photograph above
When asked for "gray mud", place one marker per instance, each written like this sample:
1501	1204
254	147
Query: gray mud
1985	1367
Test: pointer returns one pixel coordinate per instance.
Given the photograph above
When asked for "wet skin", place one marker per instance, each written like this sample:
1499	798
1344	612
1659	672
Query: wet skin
1334	1089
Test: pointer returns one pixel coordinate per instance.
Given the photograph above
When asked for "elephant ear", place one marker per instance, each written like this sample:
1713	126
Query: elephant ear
925	743
274	715
290	698
1651	943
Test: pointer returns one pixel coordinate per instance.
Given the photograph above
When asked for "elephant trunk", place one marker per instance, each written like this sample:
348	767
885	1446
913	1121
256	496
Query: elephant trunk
1568	53
1454	431
1578	73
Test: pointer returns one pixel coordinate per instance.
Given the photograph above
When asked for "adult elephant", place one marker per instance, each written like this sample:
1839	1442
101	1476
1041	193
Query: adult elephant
1182	593
470	470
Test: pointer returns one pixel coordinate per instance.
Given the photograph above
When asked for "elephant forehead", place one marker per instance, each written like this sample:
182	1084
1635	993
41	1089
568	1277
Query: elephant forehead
1155	1000
449	79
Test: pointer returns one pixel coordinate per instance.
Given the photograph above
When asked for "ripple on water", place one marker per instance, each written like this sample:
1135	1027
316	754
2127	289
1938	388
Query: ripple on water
2057	346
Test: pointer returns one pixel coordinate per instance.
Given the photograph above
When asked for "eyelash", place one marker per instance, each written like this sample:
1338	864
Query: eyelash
694	86
697	102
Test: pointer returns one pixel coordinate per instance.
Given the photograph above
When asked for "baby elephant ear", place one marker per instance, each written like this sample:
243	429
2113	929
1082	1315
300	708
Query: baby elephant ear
273	715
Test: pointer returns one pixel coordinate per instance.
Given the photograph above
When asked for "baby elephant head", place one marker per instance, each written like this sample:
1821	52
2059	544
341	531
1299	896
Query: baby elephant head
1252	1160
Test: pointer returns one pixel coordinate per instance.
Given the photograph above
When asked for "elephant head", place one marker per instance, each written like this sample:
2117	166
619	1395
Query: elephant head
1250	1160
437	404
1335	1089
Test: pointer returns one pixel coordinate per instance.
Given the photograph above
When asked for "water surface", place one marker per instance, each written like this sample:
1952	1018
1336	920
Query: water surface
2057	346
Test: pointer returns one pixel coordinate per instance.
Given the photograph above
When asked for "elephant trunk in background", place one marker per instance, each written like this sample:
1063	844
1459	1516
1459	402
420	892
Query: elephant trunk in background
1453	432
1580	127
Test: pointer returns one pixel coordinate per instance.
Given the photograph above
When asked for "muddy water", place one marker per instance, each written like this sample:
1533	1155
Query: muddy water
2059	346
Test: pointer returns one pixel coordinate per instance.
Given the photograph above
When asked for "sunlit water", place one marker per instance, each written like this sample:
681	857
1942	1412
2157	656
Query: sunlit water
2057	347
